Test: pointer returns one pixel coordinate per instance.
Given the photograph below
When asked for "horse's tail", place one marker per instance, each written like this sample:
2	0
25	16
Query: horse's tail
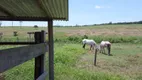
109	48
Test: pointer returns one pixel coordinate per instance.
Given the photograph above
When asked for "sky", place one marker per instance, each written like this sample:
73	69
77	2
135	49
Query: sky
87	12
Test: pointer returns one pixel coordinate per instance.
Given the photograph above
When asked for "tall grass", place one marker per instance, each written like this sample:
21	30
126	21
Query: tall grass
78	39
98	39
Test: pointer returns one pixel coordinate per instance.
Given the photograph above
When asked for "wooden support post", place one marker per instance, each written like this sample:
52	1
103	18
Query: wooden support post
95	57
39	61
51	50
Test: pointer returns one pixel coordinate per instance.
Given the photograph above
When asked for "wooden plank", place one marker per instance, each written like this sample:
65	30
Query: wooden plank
42	76
15	56
51	50
33	32
17	18
17	43
43	9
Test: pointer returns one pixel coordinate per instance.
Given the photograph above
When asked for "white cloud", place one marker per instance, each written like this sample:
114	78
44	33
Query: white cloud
99	7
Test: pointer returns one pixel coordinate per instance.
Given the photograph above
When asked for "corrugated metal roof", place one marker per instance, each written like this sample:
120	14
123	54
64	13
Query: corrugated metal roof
33	10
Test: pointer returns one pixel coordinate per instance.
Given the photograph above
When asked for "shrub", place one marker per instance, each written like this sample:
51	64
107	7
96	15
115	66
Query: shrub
15	33
98	39
85	36
35	26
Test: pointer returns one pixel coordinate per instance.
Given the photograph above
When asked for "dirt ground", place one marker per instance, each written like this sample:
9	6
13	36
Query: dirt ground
1	77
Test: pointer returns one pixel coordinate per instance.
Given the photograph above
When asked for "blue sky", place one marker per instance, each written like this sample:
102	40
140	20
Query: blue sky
83	12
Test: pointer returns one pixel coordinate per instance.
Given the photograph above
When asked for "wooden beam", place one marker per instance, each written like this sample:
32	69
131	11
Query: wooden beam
51	50
29	18
34	32
42	76
10	58
17	43
39	60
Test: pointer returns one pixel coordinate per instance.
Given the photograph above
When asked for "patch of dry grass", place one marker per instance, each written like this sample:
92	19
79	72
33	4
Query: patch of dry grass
127	64
111	30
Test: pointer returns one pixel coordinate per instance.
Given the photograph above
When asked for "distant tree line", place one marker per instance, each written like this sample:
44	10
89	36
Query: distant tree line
109	23
134	22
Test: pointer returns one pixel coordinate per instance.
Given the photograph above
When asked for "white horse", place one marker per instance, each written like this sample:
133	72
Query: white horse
103	45
90	42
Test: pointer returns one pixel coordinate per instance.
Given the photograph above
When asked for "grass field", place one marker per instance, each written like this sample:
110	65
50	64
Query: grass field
115	33
74	63
120	30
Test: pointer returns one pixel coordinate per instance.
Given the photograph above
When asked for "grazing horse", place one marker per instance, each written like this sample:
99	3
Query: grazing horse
90	42
103	45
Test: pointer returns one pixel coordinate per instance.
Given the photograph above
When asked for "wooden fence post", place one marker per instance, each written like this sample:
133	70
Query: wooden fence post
95	57
39	61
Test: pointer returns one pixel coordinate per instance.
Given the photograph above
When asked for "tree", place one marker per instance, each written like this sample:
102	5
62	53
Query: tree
110	23
85	37
35	26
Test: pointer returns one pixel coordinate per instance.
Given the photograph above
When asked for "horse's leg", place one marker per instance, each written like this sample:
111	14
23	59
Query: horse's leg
104	50
100	49
108	48
90	47
93	46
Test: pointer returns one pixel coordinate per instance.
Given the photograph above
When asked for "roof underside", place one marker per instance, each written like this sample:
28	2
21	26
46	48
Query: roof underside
33	10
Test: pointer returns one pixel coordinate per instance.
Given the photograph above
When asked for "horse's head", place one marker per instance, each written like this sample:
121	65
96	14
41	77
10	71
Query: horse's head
84	43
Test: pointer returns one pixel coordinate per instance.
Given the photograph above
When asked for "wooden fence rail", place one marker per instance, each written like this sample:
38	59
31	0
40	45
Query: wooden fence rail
15	56
17	43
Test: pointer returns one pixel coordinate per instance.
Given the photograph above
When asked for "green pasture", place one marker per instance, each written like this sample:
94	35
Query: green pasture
72	62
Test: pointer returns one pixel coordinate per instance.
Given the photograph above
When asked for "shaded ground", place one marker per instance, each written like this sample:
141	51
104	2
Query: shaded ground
1	77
